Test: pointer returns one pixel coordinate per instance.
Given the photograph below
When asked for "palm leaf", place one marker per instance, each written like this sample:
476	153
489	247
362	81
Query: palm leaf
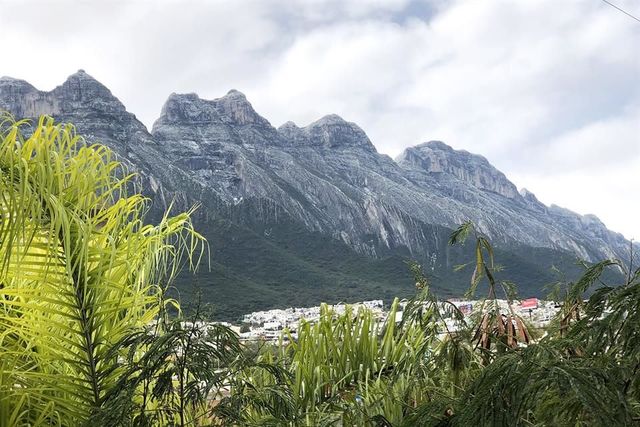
79	269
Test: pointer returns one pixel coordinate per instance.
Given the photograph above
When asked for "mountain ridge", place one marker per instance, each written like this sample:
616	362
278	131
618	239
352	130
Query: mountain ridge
234	109
324	179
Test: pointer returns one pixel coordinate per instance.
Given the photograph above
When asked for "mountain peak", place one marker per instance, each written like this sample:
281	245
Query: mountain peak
81	75
14	94
79	91
232	108
84	88
439	159
186	108
330	119
8	79
290	131
17	84
334	131
236	106
234	93
437	145
192	96
288	125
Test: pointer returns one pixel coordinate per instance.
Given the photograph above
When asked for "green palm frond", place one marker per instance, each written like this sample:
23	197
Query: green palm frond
79	268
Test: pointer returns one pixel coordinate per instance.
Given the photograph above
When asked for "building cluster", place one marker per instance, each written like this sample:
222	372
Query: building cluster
269	325
536	311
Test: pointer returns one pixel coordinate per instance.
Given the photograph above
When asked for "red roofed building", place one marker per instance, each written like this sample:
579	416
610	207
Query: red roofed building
529	303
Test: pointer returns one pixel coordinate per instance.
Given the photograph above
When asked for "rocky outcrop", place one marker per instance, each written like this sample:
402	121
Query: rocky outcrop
331	131
439	159
82	100
17	96
100	117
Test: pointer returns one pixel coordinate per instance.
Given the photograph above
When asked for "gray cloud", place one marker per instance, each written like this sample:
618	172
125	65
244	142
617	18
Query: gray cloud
547	90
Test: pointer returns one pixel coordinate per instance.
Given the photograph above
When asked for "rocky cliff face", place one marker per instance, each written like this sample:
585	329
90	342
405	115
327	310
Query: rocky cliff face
99	117
326	176
471	185
442	162
82	98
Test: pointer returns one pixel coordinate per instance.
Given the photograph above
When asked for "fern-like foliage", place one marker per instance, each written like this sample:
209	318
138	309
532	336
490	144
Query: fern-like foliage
79	270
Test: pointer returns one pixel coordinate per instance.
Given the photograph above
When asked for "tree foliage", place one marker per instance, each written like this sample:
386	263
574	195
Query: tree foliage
79	271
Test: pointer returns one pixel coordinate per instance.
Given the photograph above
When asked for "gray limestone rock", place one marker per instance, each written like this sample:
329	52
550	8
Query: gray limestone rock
327	176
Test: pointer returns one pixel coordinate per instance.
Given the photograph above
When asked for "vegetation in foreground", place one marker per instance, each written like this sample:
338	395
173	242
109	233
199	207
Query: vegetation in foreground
85	337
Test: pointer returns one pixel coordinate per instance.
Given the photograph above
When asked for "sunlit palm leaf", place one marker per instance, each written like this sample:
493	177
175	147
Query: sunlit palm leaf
79	269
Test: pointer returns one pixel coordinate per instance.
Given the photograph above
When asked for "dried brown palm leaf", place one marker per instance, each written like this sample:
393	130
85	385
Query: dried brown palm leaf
523	333
511	342
500	323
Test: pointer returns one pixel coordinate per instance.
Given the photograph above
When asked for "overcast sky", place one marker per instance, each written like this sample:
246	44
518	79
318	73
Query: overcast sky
547	90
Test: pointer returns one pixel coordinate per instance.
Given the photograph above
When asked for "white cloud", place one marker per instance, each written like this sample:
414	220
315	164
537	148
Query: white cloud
600	145
593	169
610	194
546	90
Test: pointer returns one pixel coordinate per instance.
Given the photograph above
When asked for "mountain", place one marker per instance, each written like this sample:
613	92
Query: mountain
296	215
